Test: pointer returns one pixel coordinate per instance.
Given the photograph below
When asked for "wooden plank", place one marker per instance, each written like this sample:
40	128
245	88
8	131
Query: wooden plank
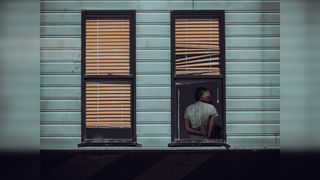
253	104
160	130
60	80
264	6
251	67
164	104
75	55
164	30
233	117
60	118
253	92
163	17
251	18
163	67
164	80
252	142
253	117
253	80
163	92
102	5
164	42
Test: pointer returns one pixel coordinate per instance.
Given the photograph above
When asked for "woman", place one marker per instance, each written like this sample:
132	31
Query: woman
200	117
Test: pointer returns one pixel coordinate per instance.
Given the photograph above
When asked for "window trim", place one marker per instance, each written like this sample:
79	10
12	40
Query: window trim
109	78
191	14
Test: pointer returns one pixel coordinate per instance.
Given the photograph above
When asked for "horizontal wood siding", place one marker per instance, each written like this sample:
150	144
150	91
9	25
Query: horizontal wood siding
252	62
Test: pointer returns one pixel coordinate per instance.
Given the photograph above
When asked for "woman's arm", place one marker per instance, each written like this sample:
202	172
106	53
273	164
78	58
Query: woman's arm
212	122
190	130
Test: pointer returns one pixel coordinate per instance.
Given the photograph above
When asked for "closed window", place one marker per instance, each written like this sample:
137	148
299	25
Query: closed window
108	78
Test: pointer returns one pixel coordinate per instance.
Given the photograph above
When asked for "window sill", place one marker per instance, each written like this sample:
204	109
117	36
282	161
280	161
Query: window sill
112	143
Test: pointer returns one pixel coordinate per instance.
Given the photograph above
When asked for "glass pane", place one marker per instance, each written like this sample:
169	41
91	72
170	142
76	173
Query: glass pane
108	47
198	102
108	105
197	47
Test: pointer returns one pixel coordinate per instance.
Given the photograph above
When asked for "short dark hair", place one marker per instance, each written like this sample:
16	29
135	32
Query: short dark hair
199	92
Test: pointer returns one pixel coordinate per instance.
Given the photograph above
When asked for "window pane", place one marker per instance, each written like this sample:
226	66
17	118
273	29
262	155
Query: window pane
197	45
108	47
108	104
198	113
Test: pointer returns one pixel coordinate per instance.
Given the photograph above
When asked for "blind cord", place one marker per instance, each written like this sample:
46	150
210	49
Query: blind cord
97	47
186	49
121	109
210	35
98	107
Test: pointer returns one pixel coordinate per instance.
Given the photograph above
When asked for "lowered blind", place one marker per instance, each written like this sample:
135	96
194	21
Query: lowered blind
107	47
197	48
108	104
108	75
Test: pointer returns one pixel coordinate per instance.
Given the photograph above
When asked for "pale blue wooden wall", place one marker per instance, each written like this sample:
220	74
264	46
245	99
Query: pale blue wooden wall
253	70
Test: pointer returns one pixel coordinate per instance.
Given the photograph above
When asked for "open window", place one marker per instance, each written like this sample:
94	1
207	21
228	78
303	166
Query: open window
108	78
198	78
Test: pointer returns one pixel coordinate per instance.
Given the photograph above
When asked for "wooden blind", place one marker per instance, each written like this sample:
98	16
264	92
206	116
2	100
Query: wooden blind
107	47
107	57
197	48
108	104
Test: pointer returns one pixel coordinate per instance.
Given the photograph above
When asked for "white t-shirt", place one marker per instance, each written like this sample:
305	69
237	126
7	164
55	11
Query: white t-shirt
198	114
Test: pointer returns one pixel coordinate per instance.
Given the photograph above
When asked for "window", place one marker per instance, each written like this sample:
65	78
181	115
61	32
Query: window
108	78
198	78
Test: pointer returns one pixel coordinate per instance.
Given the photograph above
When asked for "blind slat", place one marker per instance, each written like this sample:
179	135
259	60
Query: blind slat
108	124
198	60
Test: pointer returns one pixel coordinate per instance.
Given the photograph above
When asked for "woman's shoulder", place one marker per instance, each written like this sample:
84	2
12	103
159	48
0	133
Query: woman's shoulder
209	106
